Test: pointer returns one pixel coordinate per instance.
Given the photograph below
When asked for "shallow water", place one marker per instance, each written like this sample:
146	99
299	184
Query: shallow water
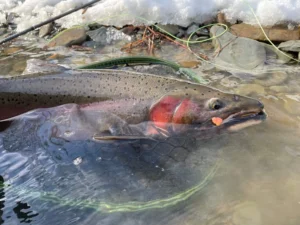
249	177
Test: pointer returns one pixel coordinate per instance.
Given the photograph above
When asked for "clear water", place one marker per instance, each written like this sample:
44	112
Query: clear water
250	177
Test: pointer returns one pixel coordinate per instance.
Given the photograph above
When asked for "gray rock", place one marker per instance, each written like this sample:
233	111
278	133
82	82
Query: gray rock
170	28
292	46
69	37
3	31
45	30
192	29
282	58
10	17
273	79
91	44
239	52
280	89
181	33
106	35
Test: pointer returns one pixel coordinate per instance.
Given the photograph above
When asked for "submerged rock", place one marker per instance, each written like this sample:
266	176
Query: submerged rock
106	35
273	79
250	89
195	28
282	57
292	104
230	81
3	31
273	33
280	89
69	37
240	52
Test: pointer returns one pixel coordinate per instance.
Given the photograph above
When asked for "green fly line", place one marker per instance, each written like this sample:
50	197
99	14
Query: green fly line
108	207
142	60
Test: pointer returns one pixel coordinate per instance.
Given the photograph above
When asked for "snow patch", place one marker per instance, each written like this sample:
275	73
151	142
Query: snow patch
180	12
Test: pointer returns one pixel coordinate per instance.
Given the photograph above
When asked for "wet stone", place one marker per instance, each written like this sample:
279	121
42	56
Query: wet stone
273	33
243	53
273	79
69	37
170	28
45	30
56	56
91	44
19	67
276	112
3	31
106	35
292	46
191	29
280	89
181	33
292	104
12	50
221	18
282	57
230	81
249	89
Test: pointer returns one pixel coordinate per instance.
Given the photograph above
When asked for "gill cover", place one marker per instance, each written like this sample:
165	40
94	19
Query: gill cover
170	112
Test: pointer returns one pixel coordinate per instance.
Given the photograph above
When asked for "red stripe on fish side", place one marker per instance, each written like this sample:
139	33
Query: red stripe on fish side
161	113
185	112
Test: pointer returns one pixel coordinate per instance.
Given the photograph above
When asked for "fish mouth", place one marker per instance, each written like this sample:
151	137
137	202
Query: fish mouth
246	115
244	118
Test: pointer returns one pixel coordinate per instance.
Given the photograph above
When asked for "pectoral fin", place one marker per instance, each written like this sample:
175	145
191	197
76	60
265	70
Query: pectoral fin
120	138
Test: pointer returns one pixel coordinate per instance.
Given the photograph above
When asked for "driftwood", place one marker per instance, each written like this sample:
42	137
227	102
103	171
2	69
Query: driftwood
47	21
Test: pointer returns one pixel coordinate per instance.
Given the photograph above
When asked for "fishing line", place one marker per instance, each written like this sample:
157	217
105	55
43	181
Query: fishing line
108	207
266	36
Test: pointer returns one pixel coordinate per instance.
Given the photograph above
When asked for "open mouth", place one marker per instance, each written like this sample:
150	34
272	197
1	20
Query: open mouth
248	115
245	116
243	119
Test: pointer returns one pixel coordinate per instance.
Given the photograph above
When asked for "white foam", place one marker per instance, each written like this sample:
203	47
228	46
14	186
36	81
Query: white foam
180	12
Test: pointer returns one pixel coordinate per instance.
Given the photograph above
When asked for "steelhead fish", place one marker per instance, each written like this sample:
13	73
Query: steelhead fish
165	106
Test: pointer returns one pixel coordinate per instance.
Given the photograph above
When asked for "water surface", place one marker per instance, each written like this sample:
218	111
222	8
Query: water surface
249	177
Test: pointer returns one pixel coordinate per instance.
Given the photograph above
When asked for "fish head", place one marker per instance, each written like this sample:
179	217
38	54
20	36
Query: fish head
201	108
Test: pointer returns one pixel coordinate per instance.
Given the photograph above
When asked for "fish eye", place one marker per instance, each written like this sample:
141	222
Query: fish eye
215	104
